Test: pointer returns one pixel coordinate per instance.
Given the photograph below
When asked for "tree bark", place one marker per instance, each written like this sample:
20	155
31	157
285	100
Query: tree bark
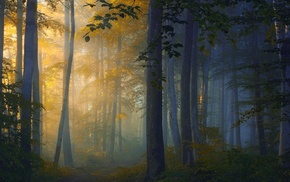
186	136
19	41
194	90
236	110
154	134
36	112
205	70
283	37
257	96
164	104
173	107
30	57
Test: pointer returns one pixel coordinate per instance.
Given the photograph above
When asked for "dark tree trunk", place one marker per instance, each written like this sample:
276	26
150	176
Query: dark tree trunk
236	110
30	57
154	134
204	114
257	97
186	137
19	41
164	104
222	107
194	89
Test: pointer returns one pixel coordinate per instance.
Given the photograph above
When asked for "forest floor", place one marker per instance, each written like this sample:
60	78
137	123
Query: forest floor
97	173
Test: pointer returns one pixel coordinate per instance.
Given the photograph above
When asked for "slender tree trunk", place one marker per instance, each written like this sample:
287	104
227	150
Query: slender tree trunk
119	82
284	149
164	105
67	153
64	112
30	57
205	70
236	110
36	112
258	117
2	8
104	105
231	123
222	107
113	125
173	107
283	36
120	125
194	89
154	134
19	41
186	137
144	140
172	101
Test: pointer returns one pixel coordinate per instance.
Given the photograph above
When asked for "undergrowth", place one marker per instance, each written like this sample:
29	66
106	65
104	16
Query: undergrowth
216	166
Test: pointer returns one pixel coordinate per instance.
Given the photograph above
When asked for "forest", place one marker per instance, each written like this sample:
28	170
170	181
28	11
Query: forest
144	90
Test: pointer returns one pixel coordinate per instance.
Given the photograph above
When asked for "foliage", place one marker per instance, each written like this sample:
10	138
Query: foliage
125	174
116	11
47	172
11	153
230	165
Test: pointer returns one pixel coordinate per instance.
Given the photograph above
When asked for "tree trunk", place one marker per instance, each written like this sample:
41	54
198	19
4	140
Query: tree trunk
283	36
222	107
154	134
205	70
119	82
30	57
120	125
19	40
113	126
173	107
172	101
186	137
194	90
236	110
36	112
164	105
2	8
64	112
257	96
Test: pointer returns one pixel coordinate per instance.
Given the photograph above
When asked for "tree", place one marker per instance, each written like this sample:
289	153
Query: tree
154	135
186	136
173	106
283	45
67	152
30	57
64	111
2	8
194	88
19	41
257	96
